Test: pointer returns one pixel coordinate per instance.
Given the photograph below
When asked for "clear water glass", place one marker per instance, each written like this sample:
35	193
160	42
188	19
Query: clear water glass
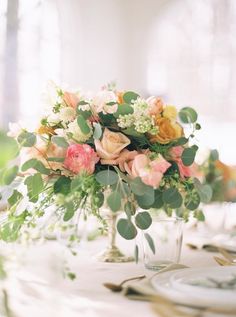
166	244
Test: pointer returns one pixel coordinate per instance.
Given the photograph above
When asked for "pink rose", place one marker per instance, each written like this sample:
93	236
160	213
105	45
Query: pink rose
150	171
71	99
155	105
184	171
80	158
102	99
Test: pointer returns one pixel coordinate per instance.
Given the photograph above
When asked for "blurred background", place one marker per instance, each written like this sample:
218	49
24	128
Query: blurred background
181	50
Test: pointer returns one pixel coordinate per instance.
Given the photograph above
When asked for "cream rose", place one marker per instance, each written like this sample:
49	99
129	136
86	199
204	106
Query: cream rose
111	145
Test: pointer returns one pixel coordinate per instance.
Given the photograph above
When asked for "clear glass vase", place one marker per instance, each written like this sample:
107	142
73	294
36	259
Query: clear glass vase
112	252
162	242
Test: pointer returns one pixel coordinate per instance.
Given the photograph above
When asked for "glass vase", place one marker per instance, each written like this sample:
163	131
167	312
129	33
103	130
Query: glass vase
112	252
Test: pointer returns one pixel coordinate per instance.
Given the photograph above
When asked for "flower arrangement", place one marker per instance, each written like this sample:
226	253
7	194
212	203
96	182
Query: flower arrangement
221	178
113	149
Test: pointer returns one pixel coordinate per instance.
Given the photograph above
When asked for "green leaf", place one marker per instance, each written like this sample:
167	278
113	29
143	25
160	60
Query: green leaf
9	149
107	177
69	212
150	242
62	185
188	115
60	141
129	208
9	231
172	198
37	165
136	253
198	126
214	155
147	200
84	113
199	215
82	123
126	229
143	220
181	141
130	96
9	175
27	139
192	201
34	185
158	201
138	187
188	156
15	198
132	132
97	130
205	191
123	109
114	201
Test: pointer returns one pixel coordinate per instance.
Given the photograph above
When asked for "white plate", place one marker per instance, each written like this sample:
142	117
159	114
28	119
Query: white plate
174	286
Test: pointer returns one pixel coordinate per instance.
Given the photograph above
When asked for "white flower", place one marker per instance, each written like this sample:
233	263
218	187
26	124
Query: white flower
14	129
67	114
77	134
101	100
53	118
140	107
126	121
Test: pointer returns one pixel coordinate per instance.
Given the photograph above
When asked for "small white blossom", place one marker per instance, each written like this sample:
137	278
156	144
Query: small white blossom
85	107
140	107
53	118
125	121
77	134
67	114
143	124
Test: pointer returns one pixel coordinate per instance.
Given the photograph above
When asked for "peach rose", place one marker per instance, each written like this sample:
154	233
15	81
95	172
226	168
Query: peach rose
167	132
71	99
81	158
155	105
111	145
125	156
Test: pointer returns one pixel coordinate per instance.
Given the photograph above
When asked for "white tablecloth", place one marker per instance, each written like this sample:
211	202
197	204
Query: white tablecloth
37	289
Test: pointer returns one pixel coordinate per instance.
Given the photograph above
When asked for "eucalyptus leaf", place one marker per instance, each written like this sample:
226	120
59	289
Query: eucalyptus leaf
97	131
123	109
62	185
34	185
60	141
172	198
69	212
130	96
188	115
139	188
150	242
158	201
107	177
126	229
214	155
15	197
136	253
192	201
188	156
26	139
114	201
143	220
9	149
37	165
82	123
9	175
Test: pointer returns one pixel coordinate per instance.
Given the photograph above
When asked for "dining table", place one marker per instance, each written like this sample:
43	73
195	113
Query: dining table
46	279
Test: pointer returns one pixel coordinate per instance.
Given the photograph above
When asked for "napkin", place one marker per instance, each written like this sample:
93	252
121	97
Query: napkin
143	290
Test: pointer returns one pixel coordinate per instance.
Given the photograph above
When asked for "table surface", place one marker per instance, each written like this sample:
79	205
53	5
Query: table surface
36	286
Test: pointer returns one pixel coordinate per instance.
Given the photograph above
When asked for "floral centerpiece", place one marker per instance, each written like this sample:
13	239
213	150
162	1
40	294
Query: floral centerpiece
114	149
220	177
